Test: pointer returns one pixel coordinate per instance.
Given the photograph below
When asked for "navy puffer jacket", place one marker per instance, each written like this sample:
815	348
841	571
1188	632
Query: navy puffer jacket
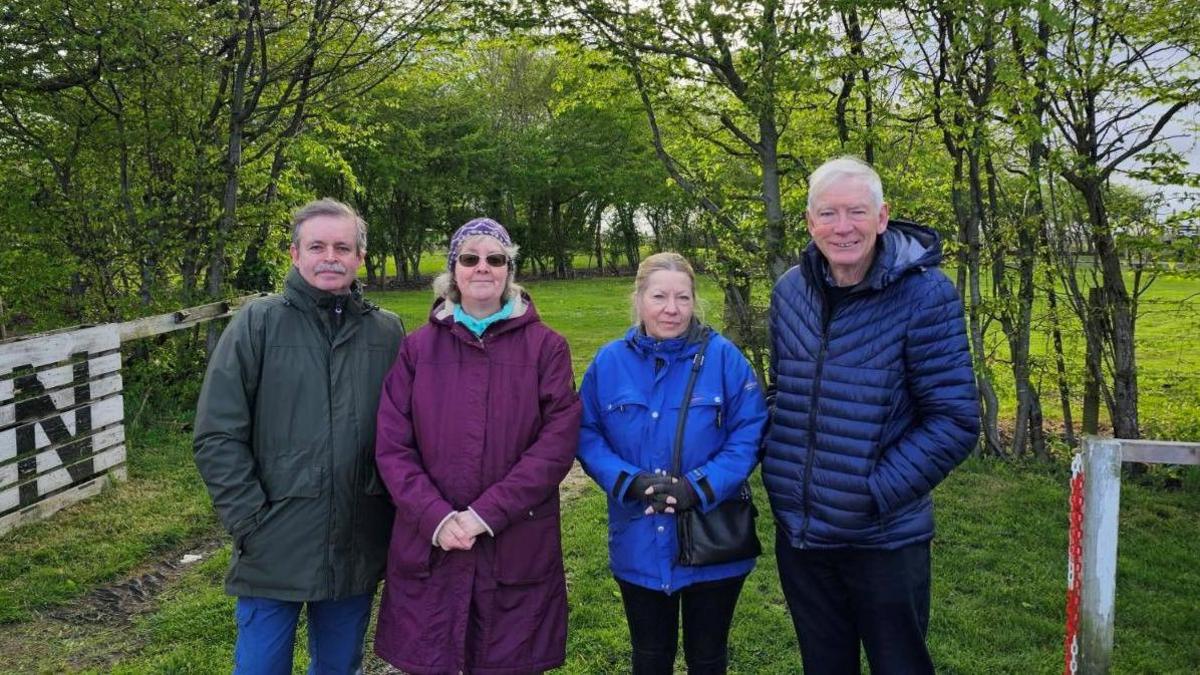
875	402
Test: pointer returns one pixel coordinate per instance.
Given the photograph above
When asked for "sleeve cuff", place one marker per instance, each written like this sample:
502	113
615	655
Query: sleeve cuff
699	481
438	530
482	522
248	524
622	484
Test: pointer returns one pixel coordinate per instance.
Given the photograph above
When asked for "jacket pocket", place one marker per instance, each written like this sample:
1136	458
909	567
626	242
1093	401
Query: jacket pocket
287	480
288	487
630	544
703	430
409	554
530	550
623	418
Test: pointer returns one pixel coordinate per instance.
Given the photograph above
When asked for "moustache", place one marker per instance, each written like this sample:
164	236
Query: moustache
331	267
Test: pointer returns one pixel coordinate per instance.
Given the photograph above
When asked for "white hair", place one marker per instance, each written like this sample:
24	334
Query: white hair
841	168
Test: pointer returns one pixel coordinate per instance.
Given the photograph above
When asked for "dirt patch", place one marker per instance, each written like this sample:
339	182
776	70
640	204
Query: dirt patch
119	602
92	632
575	484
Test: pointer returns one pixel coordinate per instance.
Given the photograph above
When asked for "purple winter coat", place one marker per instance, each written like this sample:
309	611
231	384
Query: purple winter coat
491	424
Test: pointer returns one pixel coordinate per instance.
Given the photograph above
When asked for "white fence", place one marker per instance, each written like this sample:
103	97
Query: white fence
1102	459
62	433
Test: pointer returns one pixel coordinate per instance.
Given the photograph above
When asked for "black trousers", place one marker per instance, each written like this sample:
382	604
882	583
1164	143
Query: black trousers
653	618
843	597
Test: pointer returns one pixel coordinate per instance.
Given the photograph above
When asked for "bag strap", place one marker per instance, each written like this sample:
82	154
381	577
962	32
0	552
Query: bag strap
697	361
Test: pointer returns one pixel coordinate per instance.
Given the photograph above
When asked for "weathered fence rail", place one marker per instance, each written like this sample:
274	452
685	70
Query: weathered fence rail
62	433
1100	464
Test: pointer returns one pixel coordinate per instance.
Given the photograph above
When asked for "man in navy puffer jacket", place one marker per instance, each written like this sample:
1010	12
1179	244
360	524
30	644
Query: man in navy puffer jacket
875	403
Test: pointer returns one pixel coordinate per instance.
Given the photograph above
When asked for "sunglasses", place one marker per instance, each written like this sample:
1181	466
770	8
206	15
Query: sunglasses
472	259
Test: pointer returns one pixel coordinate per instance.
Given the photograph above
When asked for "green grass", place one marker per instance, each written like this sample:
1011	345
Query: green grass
1167	341
999	559
434	263
998	593
588	312
162	505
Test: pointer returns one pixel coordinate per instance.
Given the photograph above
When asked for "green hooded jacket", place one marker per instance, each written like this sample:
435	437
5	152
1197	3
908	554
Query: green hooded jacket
285	442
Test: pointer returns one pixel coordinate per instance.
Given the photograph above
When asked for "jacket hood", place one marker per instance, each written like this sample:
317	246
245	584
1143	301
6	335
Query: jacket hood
442	313
684	345
903	247
299	292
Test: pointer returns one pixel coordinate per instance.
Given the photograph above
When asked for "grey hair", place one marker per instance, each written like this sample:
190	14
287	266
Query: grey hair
336	209
444	285
667	261
840	168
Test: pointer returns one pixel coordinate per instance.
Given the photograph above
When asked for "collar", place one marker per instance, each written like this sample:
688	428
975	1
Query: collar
477	326
682	346
444	309
300	293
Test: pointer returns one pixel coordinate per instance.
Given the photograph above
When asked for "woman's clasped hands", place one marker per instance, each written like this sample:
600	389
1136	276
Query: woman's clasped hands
662	492
459	531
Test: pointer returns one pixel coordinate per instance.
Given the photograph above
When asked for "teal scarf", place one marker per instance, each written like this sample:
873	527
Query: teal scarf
477	326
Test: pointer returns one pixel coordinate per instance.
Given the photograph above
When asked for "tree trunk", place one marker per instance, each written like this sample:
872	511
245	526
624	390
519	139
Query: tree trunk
254	275
1125	388
369	263
1094	330
1060	361
778	261
558	240
597	235
740	326
233	162
970	229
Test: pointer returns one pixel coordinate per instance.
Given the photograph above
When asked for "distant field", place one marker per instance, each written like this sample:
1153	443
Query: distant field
433	264
590	312
1168	355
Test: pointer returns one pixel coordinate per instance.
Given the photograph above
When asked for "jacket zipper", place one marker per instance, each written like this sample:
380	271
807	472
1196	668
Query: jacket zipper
332	481
826	319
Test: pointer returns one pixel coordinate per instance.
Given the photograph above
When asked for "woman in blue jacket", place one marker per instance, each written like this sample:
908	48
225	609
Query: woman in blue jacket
631	399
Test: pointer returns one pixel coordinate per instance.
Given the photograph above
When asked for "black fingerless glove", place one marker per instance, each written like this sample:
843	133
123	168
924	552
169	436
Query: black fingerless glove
683	493
643	481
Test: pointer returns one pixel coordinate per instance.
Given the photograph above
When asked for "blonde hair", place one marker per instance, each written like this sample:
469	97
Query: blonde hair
667	261
444	285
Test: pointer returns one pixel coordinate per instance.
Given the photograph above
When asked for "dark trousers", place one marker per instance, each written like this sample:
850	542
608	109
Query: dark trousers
839	598
653	618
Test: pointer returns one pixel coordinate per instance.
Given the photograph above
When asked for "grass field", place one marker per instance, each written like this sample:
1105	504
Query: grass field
1168	356
999	559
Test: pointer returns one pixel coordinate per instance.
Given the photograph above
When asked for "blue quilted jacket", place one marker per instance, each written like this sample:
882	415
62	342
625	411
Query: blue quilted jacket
630	410
875	401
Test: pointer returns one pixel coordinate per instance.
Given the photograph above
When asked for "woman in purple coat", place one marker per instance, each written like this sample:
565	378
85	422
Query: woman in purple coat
478	423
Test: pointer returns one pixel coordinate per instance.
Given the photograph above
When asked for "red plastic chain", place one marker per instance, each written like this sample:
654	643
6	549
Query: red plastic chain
1074	569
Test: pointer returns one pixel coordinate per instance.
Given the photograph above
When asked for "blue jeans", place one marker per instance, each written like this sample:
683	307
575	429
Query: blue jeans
840	598
267	634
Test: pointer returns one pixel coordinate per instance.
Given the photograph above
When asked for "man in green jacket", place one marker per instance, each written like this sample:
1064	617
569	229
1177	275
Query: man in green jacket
285	439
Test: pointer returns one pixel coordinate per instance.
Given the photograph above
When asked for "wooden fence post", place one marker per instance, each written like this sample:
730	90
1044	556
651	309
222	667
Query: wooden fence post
1101	505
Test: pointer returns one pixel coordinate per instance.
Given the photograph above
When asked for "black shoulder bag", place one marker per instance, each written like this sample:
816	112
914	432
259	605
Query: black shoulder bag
726	533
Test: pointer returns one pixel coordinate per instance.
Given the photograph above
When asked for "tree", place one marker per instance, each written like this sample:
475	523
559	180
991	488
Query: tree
1126	70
